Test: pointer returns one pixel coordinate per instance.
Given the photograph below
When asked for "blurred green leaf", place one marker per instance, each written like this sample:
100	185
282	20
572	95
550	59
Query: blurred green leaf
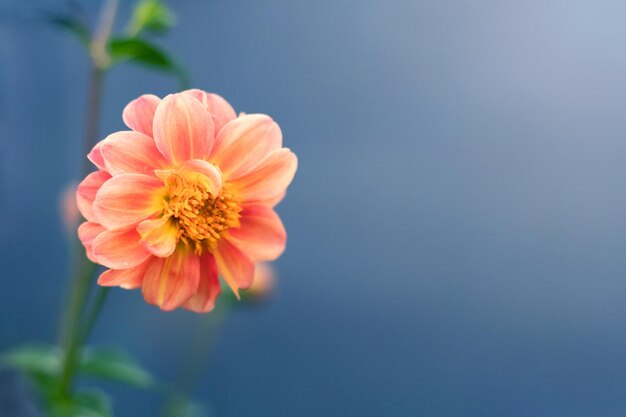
40	359
145	53
84	404
115	365
72	25
41	364
151	16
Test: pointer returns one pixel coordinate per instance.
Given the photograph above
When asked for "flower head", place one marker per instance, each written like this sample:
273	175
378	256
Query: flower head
186	195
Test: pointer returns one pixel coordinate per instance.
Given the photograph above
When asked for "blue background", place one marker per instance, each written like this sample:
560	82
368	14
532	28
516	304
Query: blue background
456	226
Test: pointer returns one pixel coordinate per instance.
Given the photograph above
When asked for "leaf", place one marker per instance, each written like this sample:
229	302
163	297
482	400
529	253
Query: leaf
145	53
151	16
116	366
41	364
72	25
40	359
90	403
95	401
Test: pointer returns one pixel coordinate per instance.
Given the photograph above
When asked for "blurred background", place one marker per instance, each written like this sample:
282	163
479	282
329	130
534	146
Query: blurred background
456	227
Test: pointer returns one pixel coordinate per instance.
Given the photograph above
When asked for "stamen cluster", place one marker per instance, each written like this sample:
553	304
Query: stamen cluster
202	218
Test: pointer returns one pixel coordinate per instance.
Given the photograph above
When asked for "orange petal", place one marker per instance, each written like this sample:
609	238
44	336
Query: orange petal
128	279
87	232
208	287
139	113
183	129
170	282
130	152
234	266
270	179
244	142
159	236
221	112
86	193
261	234
127	199
119	249
96	157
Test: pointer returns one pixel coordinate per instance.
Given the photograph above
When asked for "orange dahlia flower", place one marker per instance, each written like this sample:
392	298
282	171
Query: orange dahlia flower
186	195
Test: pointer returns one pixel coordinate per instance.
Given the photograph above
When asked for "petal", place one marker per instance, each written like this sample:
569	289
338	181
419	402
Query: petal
243	144
86	193
139	113
128	279
159	236
170	282
87	232
130	152
96	157
270	179
208	287
212	175
127	199
234	266
195	170
119	249
261	234
183	129
221	112
272	202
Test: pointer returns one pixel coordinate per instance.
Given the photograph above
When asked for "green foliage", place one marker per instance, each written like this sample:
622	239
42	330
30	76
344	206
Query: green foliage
115	365
145	53
38	359
92	403
41	364
150	16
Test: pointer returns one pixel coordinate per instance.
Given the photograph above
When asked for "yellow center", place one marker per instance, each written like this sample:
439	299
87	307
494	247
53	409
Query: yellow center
202	217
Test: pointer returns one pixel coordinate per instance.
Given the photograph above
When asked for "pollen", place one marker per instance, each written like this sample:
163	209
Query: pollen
202	217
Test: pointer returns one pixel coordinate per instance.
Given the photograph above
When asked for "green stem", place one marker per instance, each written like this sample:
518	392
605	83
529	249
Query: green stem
84	270
94	312
73	334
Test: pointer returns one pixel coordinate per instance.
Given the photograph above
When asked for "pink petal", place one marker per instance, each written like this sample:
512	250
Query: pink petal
261	234
208	287
234	266
272	202
244	142
139	113
218	108
212	175
119	249
159	236
128	279
270	179
195	170
87	232
130	152
170	282
127	199
96	157
183	129
86	193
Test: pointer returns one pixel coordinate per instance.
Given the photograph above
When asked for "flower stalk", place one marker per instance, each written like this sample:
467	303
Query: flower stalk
74	332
